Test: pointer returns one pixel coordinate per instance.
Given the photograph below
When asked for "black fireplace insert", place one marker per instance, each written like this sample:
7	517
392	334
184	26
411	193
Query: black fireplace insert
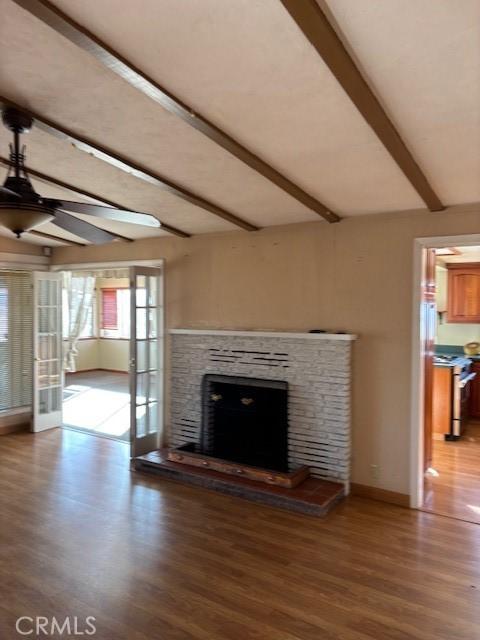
245	420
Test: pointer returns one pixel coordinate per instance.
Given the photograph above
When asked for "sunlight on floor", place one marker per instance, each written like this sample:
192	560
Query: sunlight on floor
474	508
98	410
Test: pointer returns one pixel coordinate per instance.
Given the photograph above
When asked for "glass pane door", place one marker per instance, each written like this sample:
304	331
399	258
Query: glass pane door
47	348
146	359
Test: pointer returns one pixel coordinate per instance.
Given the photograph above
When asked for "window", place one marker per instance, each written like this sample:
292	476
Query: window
89	330
16	312
115	313
109	309
3	314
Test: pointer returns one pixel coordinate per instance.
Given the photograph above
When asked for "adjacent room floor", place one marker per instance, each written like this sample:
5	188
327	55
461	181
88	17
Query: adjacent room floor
148	558
98	402
455	491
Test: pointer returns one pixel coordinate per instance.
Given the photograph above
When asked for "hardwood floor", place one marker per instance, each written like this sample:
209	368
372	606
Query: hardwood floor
455	491
81	535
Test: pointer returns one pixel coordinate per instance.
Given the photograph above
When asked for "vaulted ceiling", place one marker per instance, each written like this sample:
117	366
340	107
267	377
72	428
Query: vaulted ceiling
251	69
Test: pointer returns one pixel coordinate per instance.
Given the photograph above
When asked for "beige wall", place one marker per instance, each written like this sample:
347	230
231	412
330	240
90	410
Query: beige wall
113	354
87	358
451	333
355	275
11	245
99	353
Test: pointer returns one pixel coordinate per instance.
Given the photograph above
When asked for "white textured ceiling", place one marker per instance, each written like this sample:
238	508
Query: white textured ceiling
423	58
467	254
247	67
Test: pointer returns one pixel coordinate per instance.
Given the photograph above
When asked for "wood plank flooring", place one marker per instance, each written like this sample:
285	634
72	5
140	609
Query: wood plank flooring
455	491
150	559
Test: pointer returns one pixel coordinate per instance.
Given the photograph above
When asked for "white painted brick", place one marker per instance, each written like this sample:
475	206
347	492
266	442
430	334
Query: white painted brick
319	377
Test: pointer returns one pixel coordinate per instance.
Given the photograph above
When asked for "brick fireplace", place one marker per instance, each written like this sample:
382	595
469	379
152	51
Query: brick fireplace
313	368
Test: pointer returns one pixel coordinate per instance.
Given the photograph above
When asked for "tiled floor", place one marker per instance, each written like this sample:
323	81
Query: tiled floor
455	491
98	402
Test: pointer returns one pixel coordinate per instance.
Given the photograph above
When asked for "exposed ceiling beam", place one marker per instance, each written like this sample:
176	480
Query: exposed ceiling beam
316	27
126	164
76	33
42	177
49	236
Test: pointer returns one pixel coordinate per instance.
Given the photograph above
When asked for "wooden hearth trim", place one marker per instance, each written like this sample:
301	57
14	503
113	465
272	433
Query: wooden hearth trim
288	480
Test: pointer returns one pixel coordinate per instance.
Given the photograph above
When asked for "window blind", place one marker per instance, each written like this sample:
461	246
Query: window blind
122	328
109	309
16	361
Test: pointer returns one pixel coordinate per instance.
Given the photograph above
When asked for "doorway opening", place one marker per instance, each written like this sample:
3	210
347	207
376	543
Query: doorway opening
96	344
449	356
95	309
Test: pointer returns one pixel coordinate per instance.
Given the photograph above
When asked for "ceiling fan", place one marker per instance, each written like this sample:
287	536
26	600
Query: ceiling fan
23	210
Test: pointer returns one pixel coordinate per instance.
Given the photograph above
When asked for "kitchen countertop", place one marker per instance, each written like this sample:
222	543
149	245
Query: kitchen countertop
453	350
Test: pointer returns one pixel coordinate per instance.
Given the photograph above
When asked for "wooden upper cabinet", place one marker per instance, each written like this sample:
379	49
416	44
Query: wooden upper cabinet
463	295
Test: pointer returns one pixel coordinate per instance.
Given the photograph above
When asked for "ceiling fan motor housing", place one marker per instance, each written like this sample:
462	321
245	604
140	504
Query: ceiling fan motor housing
21	208
24	209
23	217
16	121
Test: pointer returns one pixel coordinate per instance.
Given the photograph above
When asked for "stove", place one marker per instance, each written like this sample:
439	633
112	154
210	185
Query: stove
459	390
452	361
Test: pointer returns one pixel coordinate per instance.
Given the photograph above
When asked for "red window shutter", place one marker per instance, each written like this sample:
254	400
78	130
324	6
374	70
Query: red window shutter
109	309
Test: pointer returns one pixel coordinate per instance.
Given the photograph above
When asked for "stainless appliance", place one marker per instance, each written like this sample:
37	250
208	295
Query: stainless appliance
461	376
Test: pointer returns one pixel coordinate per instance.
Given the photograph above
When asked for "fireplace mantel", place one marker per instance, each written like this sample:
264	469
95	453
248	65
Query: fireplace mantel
265	334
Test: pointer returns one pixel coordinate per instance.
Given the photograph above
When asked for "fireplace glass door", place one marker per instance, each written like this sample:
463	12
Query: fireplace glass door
245	420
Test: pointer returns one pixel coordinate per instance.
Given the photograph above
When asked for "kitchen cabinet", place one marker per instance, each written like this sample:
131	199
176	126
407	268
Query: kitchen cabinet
441	288
474	400
442	401
463	296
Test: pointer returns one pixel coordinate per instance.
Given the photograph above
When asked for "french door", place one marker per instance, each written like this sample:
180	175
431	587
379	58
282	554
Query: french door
47	350
146	359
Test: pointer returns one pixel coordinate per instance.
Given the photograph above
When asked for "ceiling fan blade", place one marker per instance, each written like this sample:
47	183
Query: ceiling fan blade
84	230
9	192
109	213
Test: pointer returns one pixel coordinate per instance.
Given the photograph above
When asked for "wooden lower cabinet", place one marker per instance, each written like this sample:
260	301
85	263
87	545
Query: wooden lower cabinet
474	400
442	400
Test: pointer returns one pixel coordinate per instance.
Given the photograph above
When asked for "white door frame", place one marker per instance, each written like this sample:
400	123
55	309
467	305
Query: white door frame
417	378
23	262
120	264
113	264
